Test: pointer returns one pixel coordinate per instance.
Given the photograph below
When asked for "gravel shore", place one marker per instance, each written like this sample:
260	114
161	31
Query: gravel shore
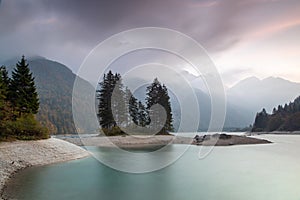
129	141
21	154
142	141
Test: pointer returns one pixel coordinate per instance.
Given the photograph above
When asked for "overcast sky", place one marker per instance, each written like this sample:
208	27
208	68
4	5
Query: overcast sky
244	37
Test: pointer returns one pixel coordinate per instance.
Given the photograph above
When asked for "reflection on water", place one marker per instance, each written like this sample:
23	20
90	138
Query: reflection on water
140	160
270	171
149	148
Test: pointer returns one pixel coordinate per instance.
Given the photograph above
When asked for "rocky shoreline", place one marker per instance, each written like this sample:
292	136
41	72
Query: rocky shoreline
18	155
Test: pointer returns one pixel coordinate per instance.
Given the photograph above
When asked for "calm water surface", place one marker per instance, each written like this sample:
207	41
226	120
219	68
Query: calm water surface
229	173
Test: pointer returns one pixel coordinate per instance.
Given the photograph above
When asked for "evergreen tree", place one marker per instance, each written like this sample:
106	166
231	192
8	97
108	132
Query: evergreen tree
142	115
158	94
4	105
127	96
152	98
137	111
297	105
289	107
3	96
4	78
112	107
167	105
4	84
133	109
22	91
118	102
104	97
261	121
285	108
280	109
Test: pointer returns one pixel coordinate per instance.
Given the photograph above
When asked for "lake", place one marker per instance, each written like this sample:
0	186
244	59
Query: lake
250	172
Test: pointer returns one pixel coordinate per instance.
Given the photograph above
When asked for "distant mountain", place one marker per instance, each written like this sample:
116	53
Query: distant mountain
253	94
246	98
236	117
54	83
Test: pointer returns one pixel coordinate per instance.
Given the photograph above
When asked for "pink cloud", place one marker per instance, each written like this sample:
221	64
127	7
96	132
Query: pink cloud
275	27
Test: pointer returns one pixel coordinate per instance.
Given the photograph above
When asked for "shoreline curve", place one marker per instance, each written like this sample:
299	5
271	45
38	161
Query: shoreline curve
18	155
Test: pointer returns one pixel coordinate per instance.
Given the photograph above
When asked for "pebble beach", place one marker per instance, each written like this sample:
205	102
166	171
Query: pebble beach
18	155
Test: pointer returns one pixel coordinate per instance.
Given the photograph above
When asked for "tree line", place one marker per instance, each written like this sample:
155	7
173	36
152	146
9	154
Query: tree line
19	103
118	109
283	118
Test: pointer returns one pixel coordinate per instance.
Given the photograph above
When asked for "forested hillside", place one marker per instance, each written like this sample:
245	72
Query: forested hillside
55	85
283	118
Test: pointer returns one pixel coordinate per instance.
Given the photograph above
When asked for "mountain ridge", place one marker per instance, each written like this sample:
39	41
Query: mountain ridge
263	93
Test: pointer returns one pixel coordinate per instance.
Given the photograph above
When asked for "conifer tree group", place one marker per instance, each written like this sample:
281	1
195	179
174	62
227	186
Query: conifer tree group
118	108
18	104
284	118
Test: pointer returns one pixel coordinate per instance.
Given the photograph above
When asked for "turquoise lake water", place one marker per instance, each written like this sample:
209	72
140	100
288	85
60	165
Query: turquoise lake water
250	172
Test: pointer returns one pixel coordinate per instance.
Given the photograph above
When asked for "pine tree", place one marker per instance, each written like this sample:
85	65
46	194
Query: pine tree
4	104
285	108
127	96
133	109
261	121
142	115
22	90
4	78
112	107
158	94
167	105
104	97
280	109
3	96
118	103
152	98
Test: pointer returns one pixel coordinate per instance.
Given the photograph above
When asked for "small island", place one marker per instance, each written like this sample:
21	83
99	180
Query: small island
227	140
141	141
